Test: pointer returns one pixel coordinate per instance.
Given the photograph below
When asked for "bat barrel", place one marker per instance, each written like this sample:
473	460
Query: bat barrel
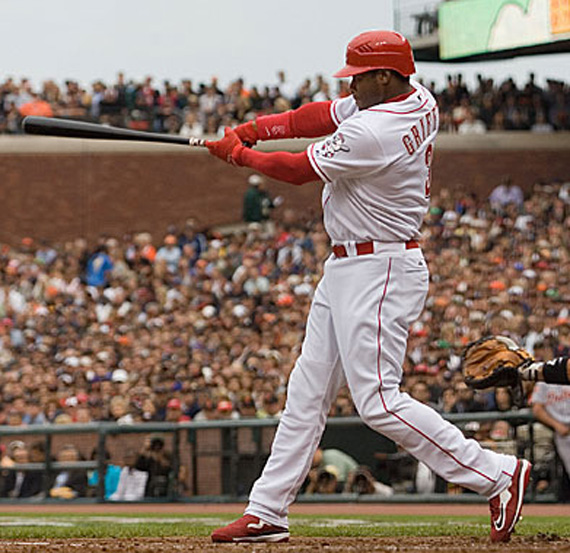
49	126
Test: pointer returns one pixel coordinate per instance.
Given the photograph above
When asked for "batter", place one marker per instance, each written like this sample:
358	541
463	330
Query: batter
376	167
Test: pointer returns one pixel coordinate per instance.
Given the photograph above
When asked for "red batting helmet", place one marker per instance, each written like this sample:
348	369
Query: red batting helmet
378	50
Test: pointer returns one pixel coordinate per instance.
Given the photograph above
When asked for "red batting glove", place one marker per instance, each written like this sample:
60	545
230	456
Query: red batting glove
247	133
228	149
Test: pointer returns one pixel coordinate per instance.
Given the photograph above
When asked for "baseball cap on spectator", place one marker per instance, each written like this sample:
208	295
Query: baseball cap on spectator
421	368
255	180
285	300
471	428
240	311
497	285
72	361
66	378
16	444
124	340
82	397
418	329
207	373
208	311
71	401
103	356
174	403
120	375
225	405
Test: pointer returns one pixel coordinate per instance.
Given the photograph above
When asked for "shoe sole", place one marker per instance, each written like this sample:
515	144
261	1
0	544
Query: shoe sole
268	538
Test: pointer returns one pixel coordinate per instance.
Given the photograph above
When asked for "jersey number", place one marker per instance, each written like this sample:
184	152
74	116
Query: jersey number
428	158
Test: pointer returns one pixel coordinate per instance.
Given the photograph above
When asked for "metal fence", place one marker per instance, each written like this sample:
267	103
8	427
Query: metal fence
219	460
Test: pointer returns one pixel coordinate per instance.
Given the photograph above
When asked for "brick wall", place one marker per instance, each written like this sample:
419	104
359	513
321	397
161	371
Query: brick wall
60	196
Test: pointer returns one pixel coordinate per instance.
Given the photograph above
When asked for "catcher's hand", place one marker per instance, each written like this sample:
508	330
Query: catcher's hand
494	361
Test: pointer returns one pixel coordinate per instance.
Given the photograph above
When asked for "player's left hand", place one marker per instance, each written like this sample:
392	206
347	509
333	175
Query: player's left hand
228	149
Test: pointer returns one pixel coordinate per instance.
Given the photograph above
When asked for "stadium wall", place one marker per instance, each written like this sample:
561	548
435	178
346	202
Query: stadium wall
59	189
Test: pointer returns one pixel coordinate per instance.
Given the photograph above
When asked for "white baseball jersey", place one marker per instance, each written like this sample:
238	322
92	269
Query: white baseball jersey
555	398
376	168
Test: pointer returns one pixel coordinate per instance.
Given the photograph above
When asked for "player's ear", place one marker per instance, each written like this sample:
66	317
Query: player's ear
384	76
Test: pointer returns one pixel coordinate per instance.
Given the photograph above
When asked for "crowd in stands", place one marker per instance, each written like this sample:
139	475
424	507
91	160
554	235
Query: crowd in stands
193	109
199	325
196	326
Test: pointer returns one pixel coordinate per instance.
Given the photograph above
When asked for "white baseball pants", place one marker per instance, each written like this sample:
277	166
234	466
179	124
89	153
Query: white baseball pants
358	329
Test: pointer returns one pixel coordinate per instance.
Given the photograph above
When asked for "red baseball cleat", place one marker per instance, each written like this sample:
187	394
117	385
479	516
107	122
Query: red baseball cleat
250	529
507	506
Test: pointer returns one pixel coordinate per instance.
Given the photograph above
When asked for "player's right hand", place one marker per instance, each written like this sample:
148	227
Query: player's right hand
247	133
228	148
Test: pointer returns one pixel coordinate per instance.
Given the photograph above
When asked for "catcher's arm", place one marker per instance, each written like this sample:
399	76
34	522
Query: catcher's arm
556	371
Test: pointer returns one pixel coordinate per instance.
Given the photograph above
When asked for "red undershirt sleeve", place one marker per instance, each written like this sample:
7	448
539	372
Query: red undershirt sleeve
309	121
284	166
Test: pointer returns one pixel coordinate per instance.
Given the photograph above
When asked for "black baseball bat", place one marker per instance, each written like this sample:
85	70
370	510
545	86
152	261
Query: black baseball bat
49	126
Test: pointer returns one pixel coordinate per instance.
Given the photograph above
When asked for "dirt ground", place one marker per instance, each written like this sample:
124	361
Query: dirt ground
538	544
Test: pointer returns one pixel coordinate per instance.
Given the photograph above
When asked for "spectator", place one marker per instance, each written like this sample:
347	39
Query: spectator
174	412
271	407
550	406
33	412
506	193
330	470
246	407
132	482
69	483
256	201
169	254
112	474
466	401
191	126
99	267
156	461
471	124
20	483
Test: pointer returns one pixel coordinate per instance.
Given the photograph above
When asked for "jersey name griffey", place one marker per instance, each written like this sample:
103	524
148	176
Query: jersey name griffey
377	168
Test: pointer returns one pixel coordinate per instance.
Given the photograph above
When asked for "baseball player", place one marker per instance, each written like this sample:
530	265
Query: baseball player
551	406
376	169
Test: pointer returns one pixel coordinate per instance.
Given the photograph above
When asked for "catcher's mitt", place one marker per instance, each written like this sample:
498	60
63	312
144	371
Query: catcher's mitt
493	362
